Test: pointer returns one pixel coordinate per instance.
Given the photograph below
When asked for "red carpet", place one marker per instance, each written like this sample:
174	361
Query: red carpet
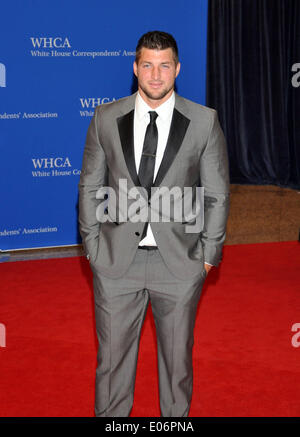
244	361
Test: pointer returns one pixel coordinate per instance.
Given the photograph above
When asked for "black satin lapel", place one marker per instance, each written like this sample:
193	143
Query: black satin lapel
178	129
125	126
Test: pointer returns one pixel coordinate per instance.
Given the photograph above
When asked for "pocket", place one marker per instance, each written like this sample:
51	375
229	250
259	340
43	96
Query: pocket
93	249
204	270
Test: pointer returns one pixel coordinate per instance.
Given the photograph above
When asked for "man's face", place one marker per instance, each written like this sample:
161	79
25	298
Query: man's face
156	73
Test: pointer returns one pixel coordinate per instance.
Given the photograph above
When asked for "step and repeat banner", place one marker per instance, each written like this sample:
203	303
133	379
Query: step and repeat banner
58	61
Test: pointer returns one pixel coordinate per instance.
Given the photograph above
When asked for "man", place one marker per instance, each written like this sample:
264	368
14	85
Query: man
151	139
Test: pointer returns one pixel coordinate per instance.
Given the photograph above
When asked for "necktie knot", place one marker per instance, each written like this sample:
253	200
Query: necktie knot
153	116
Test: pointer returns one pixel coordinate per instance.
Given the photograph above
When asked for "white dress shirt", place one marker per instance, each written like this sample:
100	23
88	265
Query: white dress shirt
163	123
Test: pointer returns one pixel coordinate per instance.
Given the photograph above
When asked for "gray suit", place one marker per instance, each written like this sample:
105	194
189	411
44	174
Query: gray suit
125	277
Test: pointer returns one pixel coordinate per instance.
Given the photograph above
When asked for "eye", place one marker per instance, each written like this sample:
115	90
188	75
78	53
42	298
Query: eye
166	66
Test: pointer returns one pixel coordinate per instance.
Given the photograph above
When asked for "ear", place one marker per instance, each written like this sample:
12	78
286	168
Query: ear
135	68
177	69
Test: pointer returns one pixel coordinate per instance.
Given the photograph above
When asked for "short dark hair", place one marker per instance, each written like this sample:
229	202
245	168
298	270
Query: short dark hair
157	40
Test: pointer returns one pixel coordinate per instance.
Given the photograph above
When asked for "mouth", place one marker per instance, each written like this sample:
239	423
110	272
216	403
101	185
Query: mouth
155	85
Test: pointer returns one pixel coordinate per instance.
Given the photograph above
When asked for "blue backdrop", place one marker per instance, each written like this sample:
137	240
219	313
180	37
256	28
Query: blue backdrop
58	60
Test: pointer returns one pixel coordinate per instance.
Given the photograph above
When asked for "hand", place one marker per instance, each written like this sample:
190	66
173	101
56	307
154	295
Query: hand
207	267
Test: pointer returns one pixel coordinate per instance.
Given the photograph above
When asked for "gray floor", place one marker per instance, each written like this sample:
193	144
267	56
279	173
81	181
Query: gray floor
55	252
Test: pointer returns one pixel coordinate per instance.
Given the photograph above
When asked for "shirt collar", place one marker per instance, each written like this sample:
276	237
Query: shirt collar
164	111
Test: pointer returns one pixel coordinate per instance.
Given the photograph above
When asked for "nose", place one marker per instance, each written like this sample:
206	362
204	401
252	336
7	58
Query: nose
155	73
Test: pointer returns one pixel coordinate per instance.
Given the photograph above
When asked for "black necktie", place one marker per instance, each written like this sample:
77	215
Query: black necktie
147	164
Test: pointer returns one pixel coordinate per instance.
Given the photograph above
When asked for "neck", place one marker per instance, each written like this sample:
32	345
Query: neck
155	103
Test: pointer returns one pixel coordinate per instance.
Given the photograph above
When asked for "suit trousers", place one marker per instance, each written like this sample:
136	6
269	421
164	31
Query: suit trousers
120	309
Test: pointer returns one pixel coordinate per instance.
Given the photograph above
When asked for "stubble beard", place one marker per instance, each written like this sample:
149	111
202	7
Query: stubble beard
156	96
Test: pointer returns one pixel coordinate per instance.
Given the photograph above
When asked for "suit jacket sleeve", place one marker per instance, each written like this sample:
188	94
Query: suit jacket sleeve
214	175
93	176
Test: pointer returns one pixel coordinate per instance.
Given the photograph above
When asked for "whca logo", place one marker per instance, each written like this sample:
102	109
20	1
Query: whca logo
2	76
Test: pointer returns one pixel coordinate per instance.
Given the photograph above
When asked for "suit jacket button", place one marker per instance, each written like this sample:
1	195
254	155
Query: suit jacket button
137	233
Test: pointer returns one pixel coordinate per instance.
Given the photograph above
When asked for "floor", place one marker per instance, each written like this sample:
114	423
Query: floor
261	214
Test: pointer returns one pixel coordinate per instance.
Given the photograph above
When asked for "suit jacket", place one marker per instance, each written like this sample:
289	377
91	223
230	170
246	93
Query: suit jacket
195	155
